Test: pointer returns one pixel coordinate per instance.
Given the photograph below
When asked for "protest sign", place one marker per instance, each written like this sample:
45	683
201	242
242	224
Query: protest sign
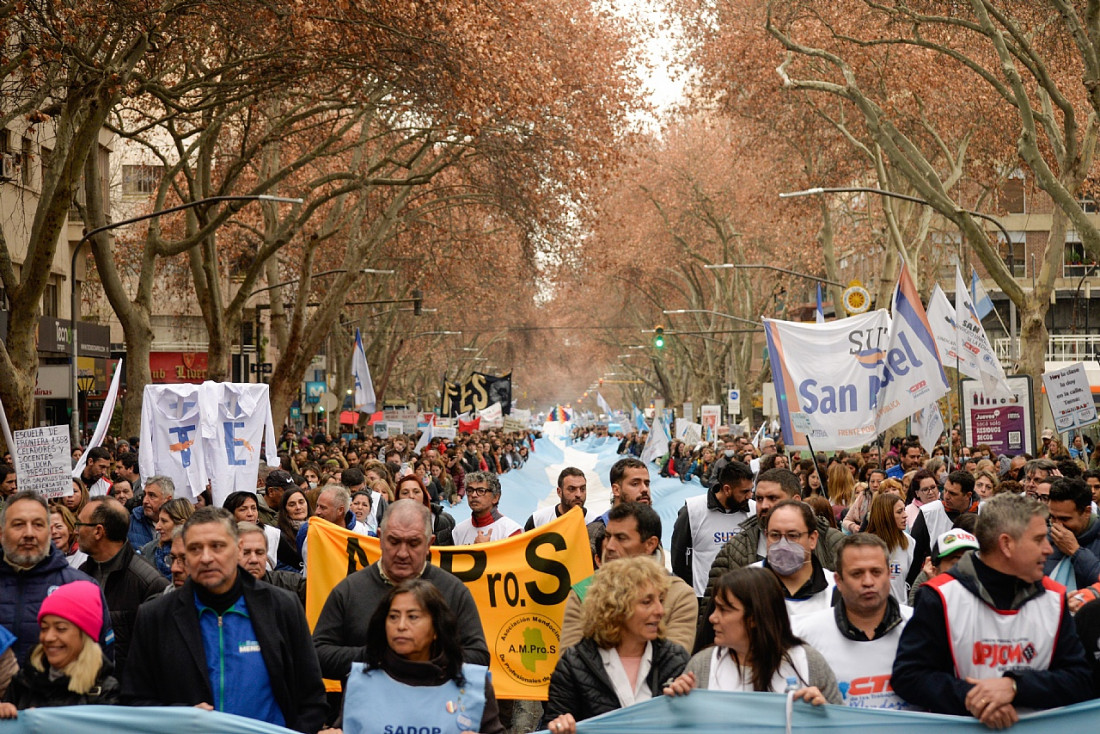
1003	422
493	416
711	417
519	585
1070	398
476	393
45	461
446	434
406	419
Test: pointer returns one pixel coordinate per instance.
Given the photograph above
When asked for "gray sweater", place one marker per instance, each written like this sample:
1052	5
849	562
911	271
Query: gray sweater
820	674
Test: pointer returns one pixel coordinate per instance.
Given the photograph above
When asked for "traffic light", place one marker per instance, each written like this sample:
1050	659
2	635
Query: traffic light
659	337
601	382
418	301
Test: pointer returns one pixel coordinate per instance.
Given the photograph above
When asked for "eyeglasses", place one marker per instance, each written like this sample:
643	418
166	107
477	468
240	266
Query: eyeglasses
792	535
478	491
1045	498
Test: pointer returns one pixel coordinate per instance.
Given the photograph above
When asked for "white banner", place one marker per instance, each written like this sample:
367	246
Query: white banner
855	377
833	373
104	422
656	445
492	417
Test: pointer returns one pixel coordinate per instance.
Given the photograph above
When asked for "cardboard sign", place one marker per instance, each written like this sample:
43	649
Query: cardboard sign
1070	398
45	461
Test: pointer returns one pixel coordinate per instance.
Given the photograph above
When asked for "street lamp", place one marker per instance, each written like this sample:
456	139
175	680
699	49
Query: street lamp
819	190
362	271
74	306
759	266
707	310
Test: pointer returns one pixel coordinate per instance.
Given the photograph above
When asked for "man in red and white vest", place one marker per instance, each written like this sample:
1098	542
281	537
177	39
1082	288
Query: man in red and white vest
992	636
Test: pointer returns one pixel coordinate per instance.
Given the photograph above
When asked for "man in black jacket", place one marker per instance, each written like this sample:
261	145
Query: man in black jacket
127	580
341	631
993	634
224	641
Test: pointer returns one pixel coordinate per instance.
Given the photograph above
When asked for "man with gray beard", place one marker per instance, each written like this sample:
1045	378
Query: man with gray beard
30	568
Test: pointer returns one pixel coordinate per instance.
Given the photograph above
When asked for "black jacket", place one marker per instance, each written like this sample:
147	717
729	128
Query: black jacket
32	688
443	524
167	664
580	685
133	581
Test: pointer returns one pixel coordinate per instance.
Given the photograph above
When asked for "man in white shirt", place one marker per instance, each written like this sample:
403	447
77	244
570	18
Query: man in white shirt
485	523
859	636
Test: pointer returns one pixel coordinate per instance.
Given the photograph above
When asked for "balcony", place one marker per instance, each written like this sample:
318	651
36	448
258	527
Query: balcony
1060	348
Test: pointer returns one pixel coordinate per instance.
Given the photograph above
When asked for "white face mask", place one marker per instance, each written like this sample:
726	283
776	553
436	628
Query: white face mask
313	485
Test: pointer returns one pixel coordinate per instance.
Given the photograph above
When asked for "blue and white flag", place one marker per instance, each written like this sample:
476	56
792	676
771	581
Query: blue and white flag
983	304
364	400
639	419
819	314
426	436
914	376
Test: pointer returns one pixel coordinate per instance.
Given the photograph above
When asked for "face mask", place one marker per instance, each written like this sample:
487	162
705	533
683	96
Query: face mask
313	485
729	453
785	557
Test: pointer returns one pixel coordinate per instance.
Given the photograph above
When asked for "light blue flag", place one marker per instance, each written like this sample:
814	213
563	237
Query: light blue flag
983	304
364	388
711	712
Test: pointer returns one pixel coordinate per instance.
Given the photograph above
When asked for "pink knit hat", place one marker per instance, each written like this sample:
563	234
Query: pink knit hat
78	602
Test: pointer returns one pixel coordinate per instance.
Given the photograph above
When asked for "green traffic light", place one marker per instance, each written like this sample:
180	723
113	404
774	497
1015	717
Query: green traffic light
659	337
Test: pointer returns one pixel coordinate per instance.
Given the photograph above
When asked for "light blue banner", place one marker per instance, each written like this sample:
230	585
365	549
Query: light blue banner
714	712
133	720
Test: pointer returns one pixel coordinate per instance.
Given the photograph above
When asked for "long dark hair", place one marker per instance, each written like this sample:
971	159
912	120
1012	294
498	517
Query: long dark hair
765	619
283	520
444	621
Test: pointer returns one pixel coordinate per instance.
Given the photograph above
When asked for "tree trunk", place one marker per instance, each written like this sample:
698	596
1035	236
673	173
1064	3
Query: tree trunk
138	334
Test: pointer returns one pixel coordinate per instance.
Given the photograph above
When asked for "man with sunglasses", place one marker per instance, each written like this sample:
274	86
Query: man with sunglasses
485	523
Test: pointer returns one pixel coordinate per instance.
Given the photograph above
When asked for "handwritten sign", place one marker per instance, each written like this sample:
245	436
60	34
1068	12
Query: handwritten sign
1070	398
45	461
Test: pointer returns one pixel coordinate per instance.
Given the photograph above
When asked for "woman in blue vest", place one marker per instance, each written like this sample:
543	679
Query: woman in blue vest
414	679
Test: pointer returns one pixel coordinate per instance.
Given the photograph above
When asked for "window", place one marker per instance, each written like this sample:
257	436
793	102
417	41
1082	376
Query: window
1089	205
1015	255
141	179
49	300
1011	197
1076	262
26	161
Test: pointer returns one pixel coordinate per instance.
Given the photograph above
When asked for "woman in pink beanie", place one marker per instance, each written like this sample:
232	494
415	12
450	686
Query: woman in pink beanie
67	667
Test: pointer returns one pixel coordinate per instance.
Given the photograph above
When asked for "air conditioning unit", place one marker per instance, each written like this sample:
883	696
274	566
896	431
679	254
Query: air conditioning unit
9	167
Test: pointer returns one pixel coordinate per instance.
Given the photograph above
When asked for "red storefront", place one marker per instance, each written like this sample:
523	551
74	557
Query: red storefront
178	366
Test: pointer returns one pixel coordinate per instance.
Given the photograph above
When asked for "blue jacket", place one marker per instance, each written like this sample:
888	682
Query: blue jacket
141	528
22	592
1086	561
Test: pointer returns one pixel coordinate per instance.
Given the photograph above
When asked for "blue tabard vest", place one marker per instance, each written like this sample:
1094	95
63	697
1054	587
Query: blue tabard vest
375	703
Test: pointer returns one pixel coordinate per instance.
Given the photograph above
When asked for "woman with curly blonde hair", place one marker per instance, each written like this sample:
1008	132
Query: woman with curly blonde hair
623	658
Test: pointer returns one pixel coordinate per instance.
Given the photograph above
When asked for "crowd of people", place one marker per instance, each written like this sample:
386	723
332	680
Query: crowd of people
957	582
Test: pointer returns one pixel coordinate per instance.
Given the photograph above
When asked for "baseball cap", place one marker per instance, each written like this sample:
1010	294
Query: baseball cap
279	478
1048	433
953	540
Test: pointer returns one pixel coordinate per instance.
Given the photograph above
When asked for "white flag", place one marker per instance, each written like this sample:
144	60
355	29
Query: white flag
360	372
974	344
426	436
941	317
928	425
656	445
603	404
104	422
